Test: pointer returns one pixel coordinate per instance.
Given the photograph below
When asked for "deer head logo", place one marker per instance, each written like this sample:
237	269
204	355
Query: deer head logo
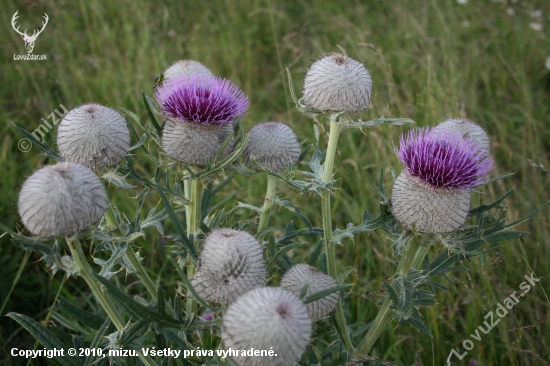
29	40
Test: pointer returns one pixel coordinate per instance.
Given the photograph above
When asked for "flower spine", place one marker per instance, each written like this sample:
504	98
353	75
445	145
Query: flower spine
187	68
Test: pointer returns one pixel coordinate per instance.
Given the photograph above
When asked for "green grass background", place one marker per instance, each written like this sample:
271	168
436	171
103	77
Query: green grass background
429	60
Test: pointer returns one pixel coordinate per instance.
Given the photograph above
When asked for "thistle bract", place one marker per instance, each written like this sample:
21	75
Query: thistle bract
231	263
93	135
337	82
186	67
61	200
468	130
267	318
441	169
195	143
301	274
274	144
201	99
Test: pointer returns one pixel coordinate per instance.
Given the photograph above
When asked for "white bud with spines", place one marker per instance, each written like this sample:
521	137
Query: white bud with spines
186	67
231	263
93	135
337	82
468	130
267	318
61	200
301	274
274	144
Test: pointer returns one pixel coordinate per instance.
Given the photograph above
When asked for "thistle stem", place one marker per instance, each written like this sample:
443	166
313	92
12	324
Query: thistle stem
138	268
87	273
268	203
335	128
193	213
413	259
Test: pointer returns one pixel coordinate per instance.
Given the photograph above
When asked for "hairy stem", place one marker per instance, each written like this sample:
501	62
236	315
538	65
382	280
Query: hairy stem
268	203
335	128
385	314
87	273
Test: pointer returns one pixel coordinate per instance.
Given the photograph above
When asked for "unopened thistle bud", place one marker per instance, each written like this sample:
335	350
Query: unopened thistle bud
231	263
301	274
200	111
433	191
61	200
93	135
468	130
267	318
274	144
186	67
337	82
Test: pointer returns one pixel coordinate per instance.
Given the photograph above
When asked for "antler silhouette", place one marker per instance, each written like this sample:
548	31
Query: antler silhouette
13	19
43	26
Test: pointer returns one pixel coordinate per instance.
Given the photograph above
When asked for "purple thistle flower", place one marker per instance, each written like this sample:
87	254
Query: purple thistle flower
201	99
443	159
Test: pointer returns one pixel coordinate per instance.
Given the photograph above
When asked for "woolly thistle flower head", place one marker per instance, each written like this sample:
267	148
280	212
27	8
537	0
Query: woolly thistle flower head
301	274
443	159
267	318
274	144
186	67
468	130
434	190
337	82
93	135
231	263
61	200
200	99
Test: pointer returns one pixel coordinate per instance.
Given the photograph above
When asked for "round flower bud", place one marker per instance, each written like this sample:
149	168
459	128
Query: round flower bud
93	135
337	82
274	144
468	130
193	143
433	192
301	274
231	263
267	318
61	200
186	67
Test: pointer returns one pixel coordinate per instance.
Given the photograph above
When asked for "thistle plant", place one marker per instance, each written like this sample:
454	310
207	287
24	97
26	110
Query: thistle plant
246	294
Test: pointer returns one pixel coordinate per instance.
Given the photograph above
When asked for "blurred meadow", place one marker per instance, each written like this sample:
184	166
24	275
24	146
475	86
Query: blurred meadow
430	60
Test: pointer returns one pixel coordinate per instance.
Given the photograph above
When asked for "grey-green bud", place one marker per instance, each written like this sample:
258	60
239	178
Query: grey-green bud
337	82
301	274
267	318
93	135
231	263
61	200
274	144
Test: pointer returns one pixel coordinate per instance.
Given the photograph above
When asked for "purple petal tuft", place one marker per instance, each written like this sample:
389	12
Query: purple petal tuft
201	99
443	159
